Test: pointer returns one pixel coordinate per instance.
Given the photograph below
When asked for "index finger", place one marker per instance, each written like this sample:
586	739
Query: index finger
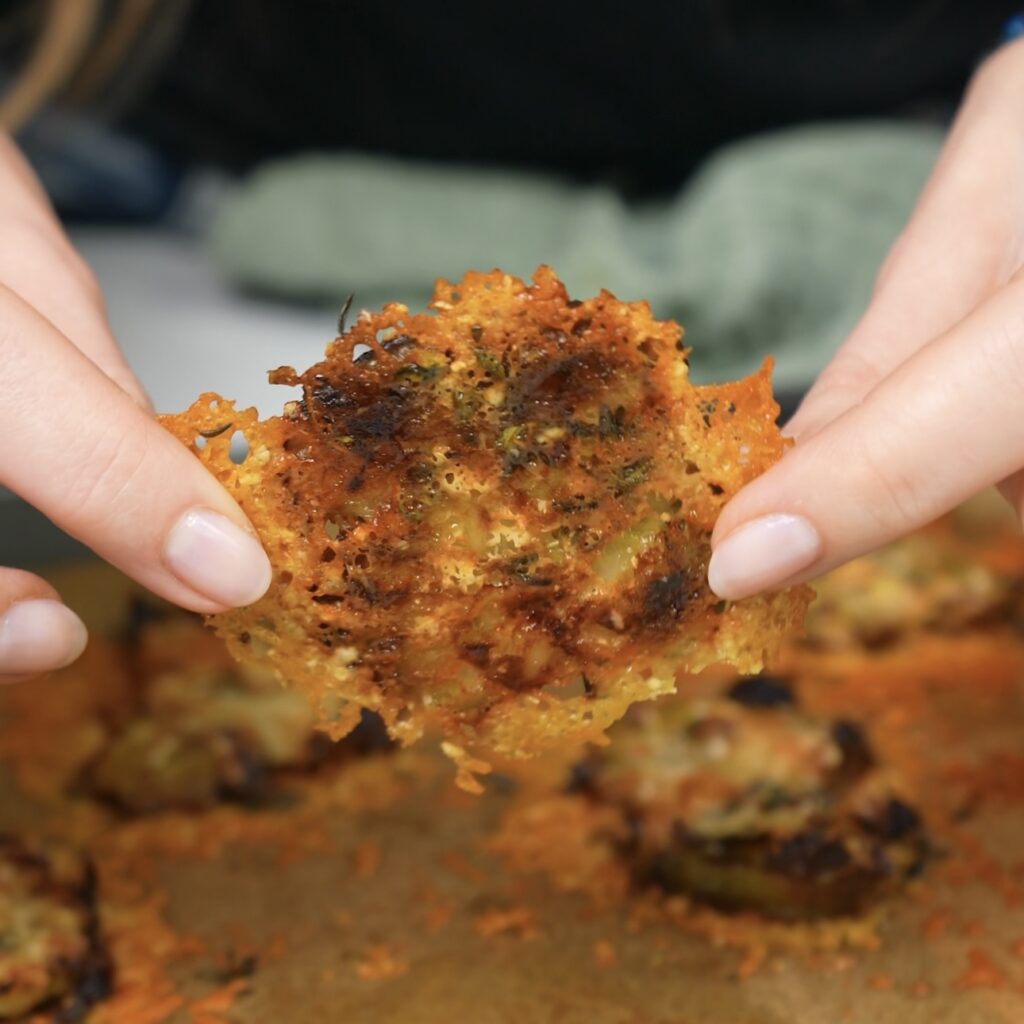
78	448
39	263
939	429
961	244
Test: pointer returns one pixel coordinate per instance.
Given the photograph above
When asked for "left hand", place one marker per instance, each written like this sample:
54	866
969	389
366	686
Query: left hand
923	405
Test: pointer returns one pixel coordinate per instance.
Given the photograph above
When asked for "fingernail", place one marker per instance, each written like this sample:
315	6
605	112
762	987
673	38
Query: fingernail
225	563
39	636
762	554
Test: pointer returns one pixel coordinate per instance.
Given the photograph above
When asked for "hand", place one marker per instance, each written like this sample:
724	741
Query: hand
80	443
923	404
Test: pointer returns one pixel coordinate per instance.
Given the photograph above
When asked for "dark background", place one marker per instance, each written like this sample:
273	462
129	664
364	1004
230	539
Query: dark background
633	93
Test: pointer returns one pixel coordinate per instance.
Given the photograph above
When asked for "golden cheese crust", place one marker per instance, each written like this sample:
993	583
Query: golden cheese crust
936	580
743	800
495	518
48	924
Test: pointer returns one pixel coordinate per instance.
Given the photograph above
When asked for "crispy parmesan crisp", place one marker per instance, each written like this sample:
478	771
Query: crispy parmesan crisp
50	955
495	518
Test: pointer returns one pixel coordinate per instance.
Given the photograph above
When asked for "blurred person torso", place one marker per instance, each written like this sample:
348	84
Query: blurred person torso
635	94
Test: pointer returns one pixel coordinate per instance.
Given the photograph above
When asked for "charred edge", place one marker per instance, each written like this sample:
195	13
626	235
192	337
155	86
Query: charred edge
236	968
546	391
665	600
761	692
379	421
399	345
477	654
895	821
93	980
582	778
805	877
852	743
807	855
248	777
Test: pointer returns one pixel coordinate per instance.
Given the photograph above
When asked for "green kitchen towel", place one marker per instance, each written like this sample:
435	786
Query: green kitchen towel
771	247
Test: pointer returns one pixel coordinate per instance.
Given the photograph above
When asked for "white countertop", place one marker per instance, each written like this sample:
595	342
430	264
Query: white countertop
185	331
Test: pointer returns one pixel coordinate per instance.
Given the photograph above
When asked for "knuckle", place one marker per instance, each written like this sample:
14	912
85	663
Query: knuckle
896	501
109	465
843	384
33	247
1001	352
850	375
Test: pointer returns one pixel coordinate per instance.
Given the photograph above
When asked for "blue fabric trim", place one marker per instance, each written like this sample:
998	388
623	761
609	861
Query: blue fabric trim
1013	29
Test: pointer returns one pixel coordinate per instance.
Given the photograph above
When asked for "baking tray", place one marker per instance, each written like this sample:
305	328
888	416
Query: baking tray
378	894
389	904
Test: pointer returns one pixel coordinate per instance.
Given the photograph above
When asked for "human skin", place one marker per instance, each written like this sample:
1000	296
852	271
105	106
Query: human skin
923	404
80	443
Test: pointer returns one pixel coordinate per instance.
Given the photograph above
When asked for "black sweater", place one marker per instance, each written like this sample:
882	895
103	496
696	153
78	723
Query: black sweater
633	93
